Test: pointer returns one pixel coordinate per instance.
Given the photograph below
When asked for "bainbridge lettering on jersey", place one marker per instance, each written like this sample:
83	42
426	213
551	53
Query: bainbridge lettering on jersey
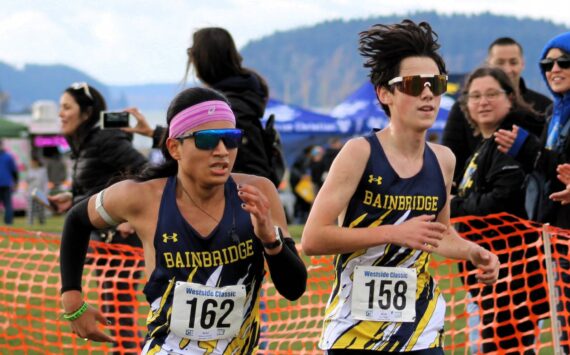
212	258
401	202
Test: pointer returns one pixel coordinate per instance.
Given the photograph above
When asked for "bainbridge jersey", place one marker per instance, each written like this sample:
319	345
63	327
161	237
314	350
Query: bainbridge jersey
381	198
230	255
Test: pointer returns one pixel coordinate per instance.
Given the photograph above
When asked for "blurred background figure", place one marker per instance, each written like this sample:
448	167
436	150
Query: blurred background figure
56	169
8	183
317	167
301	185
334	146
37	179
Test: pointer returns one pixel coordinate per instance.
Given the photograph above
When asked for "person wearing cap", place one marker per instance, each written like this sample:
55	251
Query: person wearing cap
206	234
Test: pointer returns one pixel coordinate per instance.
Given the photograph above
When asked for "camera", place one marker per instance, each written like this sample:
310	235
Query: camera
109	119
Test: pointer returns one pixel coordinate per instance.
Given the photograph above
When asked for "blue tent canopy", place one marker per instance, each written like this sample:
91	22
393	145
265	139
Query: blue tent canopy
300	128
363	109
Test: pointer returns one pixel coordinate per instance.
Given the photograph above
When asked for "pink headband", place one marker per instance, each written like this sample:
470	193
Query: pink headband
208	111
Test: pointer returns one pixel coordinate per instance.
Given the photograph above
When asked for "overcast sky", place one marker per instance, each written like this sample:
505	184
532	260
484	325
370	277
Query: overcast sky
144	41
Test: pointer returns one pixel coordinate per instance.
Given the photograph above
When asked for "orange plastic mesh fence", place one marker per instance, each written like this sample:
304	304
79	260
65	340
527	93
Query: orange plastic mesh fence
30	309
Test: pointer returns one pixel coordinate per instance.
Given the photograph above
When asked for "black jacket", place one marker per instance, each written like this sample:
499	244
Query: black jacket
495	183
542	163
458	134
248	101
100	155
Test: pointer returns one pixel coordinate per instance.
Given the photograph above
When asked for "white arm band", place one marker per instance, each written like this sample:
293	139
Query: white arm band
101	210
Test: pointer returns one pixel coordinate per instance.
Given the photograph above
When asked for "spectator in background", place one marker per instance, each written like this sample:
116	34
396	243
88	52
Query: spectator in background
56	169
334	146
317	168
100	155
547	157
218	64
37	179
458	135
8	183
299	173
493	182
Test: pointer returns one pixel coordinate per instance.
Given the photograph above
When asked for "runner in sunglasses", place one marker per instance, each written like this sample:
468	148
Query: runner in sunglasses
384	208
206	234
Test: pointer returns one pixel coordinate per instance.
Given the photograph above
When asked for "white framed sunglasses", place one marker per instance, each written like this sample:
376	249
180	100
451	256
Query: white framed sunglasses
414	85
82	86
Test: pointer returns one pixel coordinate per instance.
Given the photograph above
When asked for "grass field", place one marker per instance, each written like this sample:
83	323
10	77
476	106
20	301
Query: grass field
55	224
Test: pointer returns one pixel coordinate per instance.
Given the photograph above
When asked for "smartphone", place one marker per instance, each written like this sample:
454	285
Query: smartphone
114	119
43	200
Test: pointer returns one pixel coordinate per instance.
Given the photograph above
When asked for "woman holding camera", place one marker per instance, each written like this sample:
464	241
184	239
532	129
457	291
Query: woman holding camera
98	155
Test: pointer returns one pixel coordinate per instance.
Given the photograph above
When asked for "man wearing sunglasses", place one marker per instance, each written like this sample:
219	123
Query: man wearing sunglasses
459	136
207	234
384	208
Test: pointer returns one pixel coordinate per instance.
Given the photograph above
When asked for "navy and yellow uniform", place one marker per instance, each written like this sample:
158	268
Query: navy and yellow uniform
381	198
230	255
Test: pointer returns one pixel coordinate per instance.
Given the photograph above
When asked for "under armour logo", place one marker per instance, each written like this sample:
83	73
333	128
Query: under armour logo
211	110
427	83
372	179
166	237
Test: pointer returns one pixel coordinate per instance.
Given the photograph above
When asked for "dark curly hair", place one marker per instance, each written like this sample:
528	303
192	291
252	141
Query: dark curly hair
385	46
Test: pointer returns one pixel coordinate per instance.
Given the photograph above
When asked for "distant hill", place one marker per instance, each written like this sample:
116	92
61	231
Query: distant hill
316	66
319	66
39	82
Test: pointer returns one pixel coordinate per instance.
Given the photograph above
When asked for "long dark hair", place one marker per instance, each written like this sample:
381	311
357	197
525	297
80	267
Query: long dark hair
185	99
214	55
386	46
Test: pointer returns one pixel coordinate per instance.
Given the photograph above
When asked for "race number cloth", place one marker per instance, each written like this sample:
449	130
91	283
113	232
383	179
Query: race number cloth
384	294
207	313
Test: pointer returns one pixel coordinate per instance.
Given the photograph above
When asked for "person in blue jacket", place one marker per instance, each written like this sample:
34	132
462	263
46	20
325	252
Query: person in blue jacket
8	183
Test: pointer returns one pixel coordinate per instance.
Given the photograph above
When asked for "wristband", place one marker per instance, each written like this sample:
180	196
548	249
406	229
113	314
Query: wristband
78	313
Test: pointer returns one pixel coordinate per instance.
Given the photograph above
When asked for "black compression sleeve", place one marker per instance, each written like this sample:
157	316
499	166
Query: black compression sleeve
74	244
288	271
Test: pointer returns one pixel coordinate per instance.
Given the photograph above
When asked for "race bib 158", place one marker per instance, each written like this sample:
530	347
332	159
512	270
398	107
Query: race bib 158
384	294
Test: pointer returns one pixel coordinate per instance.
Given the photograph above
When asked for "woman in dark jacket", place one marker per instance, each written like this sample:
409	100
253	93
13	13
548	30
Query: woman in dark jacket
99	156
492	182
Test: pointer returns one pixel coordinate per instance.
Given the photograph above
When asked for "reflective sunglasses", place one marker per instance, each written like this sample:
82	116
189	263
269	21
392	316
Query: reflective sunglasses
209	139
548	63
414	85
82	86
